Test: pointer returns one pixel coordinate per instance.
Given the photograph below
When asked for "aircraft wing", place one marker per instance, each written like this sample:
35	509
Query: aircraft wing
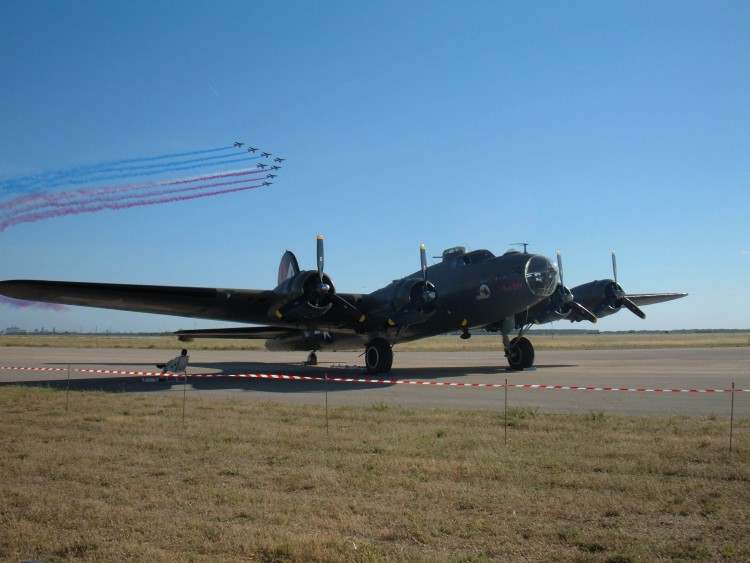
282	338
235	305
651	298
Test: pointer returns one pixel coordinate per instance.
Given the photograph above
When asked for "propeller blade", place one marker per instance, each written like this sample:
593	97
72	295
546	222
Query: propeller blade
632	307
320	256
583	311
423	257
559	267
358	315
614	265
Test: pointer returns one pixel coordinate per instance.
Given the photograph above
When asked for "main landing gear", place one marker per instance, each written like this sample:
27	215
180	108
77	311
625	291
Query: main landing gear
519	351
520	354
378	356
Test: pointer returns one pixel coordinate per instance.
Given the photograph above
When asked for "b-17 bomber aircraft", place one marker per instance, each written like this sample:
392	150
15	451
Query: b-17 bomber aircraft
465	291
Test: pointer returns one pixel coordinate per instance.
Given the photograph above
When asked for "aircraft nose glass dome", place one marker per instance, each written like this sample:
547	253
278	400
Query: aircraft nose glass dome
541	276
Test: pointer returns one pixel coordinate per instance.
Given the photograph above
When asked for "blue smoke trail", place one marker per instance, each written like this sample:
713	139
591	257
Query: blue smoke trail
39	201
53	178
135	171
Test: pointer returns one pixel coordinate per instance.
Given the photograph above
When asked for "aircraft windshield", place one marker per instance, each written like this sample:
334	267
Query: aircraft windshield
477	256
541	275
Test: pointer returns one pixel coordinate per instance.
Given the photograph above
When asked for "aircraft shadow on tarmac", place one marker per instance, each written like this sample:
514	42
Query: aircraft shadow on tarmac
121	384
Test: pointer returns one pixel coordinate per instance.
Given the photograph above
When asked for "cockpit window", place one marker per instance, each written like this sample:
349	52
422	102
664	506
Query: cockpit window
477	256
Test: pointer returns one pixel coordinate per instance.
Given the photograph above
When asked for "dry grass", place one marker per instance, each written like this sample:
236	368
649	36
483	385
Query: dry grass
121	477
444	343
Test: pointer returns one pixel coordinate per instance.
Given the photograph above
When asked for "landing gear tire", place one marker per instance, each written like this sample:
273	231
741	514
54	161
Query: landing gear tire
378	356
521	354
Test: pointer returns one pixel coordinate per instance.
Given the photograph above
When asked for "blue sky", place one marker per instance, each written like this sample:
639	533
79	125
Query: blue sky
584	127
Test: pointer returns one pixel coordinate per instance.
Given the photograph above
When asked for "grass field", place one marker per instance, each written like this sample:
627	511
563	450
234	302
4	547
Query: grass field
444	343
121	477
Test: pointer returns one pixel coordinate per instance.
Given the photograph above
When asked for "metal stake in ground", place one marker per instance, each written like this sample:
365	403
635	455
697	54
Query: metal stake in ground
731	421
325	377
505	437
67	391
184	394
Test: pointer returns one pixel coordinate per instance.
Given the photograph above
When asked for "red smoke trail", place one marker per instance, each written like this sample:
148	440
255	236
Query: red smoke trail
75	209
33	202
19	304
151	194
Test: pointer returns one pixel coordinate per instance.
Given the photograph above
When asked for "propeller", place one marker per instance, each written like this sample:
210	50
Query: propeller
428	293
324	289
410	313
620	295
318	292
569	299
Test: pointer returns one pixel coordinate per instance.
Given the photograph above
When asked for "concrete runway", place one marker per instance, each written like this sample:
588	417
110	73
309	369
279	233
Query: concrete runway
674	368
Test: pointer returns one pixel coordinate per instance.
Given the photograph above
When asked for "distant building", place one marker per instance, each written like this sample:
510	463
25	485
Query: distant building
14	330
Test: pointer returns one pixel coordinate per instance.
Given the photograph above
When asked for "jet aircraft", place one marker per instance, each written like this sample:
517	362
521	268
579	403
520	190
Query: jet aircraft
275	167
261	165
465	291
265	154
267	183
238	144
252	149
271	175
279	160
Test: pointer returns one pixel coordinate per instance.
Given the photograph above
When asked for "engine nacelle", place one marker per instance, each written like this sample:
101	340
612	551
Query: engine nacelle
413	302
303	297
599	297
552	309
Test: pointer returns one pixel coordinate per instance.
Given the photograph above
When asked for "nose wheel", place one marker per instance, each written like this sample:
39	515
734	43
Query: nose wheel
378	356
520	354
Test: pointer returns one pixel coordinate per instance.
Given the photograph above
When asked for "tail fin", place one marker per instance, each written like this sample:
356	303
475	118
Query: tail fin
288	267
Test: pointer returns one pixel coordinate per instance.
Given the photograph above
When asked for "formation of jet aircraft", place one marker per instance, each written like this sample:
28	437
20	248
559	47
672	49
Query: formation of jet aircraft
263	154
466	291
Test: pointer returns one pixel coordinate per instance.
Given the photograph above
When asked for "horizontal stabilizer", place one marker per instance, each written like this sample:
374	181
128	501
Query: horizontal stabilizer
250	332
